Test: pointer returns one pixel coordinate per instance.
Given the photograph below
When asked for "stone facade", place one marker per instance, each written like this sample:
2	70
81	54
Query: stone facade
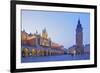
39	45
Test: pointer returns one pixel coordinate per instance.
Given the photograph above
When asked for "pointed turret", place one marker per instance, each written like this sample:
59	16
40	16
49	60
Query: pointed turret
79	26
44	33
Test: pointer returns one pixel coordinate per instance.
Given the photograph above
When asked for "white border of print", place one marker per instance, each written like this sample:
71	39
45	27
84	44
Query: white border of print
20	65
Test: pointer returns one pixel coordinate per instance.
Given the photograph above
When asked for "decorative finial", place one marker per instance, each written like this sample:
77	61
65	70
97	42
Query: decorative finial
36	32
44	30
79	21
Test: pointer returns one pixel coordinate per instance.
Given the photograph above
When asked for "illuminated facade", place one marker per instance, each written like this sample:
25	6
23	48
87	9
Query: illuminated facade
44	40
39	45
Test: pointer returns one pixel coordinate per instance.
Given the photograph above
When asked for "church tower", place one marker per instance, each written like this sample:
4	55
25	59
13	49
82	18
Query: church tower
44	34
79	38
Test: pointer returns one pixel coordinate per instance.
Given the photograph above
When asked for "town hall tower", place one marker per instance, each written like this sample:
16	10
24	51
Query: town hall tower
79	39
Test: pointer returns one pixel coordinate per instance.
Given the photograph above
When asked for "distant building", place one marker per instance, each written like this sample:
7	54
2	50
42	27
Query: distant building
71	50
87	48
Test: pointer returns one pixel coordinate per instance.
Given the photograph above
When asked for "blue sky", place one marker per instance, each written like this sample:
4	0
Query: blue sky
61	26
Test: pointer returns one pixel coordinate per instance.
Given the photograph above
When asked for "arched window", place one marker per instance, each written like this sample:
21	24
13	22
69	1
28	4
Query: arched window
25	52
33	52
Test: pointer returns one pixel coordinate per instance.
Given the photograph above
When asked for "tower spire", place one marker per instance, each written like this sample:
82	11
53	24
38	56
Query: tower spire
79	26
79	21
36	32
44	30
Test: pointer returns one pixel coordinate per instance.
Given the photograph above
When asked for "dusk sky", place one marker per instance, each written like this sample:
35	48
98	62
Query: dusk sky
61	26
